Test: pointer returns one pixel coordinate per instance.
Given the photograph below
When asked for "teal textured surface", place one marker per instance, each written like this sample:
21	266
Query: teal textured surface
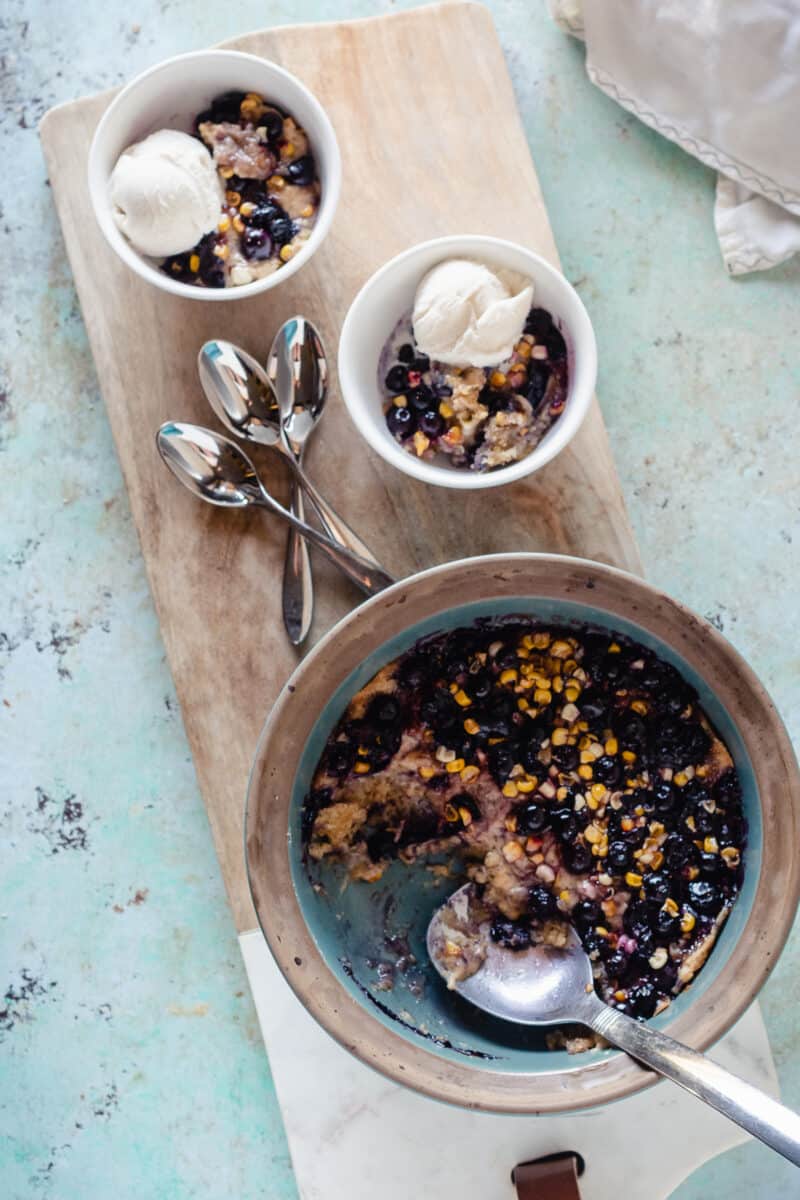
132	1061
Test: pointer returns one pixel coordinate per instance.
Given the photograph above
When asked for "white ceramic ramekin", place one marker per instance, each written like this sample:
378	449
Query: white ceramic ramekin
169	96
389	294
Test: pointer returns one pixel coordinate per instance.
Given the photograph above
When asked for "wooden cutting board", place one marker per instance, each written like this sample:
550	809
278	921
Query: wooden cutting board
432	144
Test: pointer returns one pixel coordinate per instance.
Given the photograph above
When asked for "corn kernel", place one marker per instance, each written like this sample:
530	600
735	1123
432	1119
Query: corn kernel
497	379
426	772
613	648
222	251
692	873
732	856
452	949
194	263
591	803
620	995
444	754
522	704
512	851
286	252
681	779
525	786
701	771
455	766
399	401
640	707
510	790
570	713
557	684
559	737
601	931
628	756
542	696
471	726
308	211
226	172
450	813
469	773
633	879
234	199
592	834
539	641
223	225
585	771
461	698
288	150
421	443
711	845
564	895
560	649
466	817
688	922
562	793
239	225
612	746
361	768
445	410
275	183
598	791
454	435
572	693
671	907
509	676
656	860
658	958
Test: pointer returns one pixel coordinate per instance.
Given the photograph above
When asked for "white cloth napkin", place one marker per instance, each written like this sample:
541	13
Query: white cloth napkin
722	79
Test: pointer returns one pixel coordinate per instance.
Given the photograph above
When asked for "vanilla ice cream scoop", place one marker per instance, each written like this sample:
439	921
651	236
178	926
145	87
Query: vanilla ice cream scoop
466	314
165	192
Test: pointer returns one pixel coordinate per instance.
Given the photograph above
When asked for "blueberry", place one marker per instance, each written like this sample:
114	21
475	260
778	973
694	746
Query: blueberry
225	107
616	965
704	896
578	858
586	914
595	712
273	123
538	378
530	756
302	170
282	230
406	353
656	886
710	865
619	856
566	757
422	363
531	818
607	769
420	397
538	322
256	244
384	710
402	422
397	379
340	758
679	852
493	400
264	214
667	926
512	935
664	797
564	823
480	685
501	763
431	423
643	998
542	903
556	346
381	845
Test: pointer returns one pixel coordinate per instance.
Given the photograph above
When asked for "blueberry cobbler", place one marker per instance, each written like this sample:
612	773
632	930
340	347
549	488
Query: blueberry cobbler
226	206
479	418
475	374
569	774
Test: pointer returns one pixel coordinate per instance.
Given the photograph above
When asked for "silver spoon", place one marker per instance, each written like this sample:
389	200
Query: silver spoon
298	371
239	391
219	471
548	985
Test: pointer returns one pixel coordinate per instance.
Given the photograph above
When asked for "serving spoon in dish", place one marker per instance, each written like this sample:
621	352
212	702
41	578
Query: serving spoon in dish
218	471
553	985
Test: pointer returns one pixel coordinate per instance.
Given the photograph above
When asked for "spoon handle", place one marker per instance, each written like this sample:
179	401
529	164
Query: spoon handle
370	578
334	525
749	1107
298	585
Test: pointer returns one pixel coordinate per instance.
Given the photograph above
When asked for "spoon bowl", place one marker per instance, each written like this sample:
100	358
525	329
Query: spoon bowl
212	467
553	985
241	395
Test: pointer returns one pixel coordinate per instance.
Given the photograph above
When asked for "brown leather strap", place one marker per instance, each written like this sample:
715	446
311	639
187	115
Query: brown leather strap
551	1178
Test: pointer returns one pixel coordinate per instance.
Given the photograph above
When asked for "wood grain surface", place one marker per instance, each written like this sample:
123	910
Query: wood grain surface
413	126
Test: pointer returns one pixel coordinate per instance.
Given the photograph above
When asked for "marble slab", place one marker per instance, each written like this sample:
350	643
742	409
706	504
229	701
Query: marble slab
354	1134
